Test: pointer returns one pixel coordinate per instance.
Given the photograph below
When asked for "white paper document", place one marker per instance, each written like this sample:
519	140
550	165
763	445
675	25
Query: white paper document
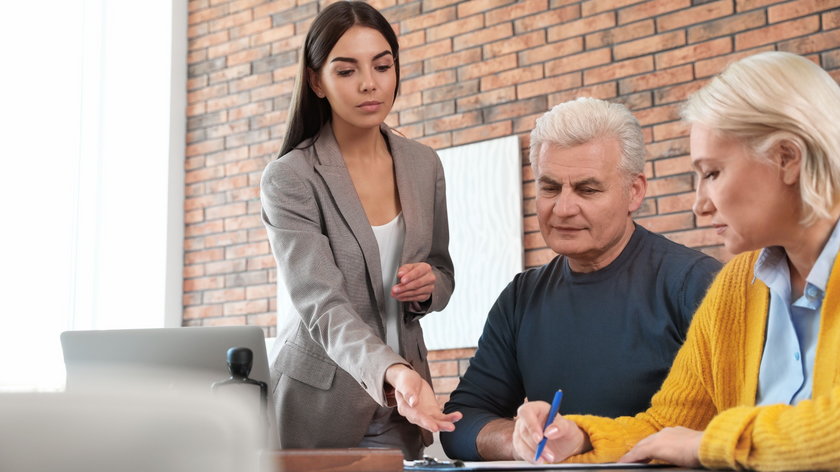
516	465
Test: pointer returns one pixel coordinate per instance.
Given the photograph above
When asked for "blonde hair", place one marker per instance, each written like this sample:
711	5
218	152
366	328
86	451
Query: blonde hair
585	119
771	97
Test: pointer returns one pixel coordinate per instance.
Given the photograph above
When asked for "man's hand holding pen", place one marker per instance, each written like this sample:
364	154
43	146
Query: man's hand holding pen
565	438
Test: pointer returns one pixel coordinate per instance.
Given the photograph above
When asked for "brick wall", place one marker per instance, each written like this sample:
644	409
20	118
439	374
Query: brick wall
472	70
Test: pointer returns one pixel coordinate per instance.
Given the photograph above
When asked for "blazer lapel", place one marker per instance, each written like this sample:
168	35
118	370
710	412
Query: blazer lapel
405	174
337	178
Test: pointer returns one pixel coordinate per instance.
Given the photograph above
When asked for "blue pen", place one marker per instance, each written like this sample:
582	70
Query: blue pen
555	405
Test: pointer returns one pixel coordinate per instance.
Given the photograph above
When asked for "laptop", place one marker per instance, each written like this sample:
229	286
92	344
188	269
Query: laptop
186	360
175	358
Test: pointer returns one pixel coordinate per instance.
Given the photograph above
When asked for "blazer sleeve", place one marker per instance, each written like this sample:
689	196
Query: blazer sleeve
316	285
439	258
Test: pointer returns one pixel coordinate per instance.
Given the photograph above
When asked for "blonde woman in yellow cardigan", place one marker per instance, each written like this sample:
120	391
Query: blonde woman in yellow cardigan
757	383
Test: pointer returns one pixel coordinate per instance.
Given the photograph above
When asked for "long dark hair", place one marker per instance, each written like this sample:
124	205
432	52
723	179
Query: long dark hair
308	113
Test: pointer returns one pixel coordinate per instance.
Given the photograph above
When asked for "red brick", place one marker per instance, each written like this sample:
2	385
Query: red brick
483	36
655	80
200	16
650	9
786	11
225	267
518	108
224	211
444	368
523	125
517	10
530	224
585	60
671	130
812	43
207	93
225	321
203	283
538	257
230	73
831	19
411	40
258	26
744	5
551	51
603	91
670	148
436	48
437	141
670	185
461	120
649	45
205	311
655	115
457	27
675	203
201	175
486	67
425	82
777	32
449	92
203	201
580	27
552	17
677	93
450	61
674	165
619	34
591	7
231	20
428	20
260	291
246	307
249	221
715	65
273	34
427	112
481	133
228	101
523	74
479	6
273	7
246	250
618	70
691	16
262	262
493	97
225	295
208	40
203	229
248	55
549	85
671	222
514	44
727	26
450	354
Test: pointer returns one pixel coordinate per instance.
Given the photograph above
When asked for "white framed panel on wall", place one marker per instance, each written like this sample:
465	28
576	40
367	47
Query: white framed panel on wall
484	201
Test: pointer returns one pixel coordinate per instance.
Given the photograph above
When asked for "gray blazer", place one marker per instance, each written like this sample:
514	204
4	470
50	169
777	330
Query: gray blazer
328	377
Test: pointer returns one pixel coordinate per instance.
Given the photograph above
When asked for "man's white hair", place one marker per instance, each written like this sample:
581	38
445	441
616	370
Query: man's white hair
586	119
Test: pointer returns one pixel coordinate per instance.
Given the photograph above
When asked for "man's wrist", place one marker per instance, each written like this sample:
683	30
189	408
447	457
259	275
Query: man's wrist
494	441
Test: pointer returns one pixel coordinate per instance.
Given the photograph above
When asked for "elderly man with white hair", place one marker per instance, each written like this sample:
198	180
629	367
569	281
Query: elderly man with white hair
603	320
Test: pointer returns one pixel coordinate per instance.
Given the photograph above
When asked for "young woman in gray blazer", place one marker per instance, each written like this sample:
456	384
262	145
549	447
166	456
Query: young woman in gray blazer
356	217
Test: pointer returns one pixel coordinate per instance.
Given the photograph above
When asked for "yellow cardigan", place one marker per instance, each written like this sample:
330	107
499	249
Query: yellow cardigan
712	387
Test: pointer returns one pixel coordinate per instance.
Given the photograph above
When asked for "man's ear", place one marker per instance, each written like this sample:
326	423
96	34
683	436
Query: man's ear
787	153
314	80
637	189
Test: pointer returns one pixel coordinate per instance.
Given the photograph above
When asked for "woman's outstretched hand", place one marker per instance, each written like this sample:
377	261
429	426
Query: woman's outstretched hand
416	401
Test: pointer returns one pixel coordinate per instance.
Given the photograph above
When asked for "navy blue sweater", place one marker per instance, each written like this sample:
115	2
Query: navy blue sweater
607	338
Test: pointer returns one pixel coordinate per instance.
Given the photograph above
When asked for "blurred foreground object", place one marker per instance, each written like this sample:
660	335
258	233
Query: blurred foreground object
144	431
